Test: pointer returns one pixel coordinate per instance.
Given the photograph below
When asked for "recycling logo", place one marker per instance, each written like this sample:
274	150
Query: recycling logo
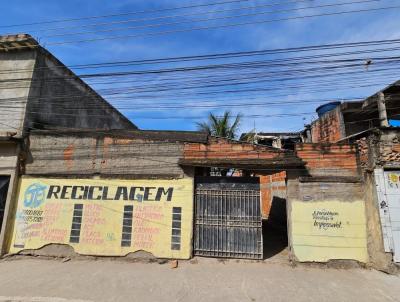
34	195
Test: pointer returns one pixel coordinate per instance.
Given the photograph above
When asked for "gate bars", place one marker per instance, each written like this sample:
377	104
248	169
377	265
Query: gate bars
228	220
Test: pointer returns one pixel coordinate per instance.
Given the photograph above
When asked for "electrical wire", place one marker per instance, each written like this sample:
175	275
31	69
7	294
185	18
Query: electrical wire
123	14
117	37
169	16
258	13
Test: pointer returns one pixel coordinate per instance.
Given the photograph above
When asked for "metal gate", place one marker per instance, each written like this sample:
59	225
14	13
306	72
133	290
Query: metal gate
228	217
388	190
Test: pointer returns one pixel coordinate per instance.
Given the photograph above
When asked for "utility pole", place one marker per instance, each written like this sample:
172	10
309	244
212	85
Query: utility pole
383	121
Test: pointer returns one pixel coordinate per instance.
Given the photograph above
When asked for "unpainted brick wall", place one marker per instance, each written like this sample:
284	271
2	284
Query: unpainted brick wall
328	128
363	151
219	148
390	152
271	185
380	148
329	159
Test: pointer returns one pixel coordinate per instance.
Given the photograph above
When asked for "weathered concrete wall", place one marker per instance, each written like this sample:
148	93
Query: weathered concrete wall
9	152
380	149
325	205
58	98
326	221
16	70
37	91
329	128
8	157
105	217
103	155
378	257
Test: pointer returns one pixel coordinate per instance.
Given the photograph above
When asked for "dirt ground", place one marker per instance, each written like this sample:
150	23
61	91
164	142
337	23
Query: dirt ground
201	279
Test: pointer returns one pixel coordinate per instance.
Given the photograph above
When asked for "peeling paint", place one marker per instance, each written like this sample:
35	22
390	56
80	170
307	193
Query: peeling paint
69	156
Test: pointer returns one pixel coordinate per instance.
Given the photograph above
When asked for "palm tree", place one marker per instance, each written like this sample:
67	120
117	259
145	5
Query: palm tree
221	126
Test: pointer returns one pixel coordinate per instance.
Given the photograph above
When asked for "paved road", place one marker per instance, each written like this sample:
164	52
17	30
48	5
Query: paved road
208	280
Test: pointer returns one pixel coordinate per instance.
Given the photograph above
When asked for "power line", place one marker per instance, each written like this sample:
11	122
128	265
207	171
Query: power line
178	117
124	92
219	26
264	76
208	19
170	16
230	55
123	14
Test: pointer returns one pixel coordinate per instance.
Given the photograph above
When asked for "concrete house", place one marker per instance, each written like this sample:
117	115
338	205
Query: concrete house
37	91
88	181
368	125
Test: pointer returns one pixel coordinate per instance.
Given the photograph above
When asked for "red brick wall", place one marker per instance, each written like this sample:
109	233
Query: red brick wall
338	160
390	152
327	129
219	148
271	185
363	151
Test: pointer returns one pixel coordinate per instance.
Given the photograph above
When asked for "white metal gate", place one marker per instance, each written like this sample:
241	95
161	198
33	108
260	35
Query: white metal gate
388	190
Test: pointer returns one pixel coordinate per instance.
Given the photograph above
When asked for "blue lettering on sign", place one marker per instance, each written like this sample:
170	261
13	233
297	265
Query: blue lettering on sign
34	195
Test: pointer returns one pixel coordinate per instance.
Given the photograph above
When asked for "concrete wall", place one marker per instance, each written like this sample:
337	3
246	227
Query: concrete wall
16	69
326	221
380	149
38	91
9	167
103	155
58	98
101	160
378	257
325	205
104	217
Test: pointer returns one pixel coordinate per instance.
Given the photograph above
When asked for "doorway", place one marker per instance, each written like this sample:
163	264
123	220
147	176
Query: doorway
388	190
275	234
4	184
228	217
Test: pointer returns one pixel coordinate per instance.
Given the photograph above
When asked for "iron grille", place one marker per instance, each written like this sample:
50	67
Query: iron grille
228	223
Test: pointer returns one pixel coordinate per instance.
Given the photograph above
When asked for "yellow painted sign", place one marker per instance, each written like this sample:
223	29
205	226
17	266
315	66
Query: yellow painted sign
327	230
105	217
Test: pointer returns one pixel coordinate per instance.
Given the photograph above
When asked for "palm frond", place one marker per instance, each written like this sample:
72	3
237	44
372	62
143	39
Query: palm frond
221	126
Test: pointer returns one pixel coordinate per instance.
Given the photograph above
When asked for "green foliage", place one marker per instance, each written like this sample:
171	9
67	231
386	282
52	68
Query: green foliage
221	126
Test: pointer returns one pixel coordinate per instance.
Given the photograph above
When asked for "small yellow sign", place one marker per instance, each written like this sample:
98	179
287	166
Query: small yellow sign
105	217
326	230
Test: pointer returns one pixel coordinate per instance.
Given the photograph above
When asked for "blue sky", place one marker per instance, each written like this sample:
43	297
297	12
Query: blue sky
377	25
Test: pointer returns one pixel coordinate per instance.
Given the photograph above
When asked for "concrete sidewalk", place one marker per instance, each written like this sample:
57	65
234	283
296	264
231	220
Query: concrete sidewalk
201	279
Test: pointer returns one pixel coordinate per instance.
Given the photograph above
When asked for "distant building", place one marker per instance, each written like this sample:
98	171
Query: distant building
280	140
37	91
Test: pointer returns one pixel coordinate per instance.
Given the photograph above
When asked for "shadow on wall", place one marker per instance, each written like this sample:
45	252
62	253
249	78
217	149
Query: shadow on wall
275	228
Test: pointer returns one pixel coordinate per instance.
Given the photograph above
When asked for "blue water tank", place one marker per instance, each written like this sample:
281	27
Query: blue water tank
321	110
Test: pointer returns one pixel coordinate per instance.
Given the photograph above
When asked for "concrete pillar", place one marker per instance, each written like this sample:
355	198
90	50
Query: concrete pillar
383	121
